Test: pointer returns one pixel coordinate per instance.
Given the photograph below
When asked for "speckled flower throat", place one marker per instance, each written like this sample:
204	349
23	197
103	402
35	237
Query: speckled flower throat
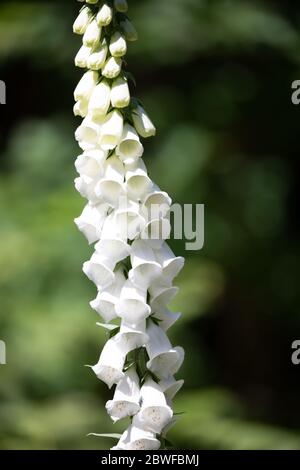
126	220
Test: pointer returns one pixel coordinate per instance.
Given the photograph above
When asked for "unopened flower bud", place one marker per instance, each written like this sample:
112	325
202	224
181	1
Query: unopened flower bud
98	57
92	35
142	122
82	56
121	5
118	46
105	15
86	86
129	30
112	67
100	100
120	95
81	23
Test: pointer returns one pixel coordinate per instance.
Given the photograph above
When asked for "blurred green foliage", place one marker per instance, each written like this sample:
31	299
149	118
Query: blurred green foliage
215	76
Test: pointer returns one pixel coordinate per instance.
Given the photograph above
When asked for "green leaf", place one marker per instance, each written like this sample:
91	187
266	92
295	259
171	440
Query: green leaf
112	435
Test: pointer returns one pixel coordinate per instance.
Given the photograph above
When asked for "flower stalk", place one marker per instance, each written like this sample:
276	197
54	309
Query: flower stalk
126	221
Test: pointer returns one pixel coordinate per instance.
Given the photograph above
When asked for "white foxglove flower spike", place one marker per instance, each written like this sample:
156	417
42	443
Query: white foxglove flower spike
127	218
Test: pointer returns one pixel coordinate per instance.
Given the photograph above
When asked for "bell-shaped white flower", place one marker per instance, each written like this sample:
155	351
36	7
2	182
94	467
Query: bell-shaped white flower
145	268
120	95
165	317
156	231
126	400
142	122
100	270
113	248
97	58
161	295
105	15
133	336
111	130
111	187
85	86
138	182
112	67
163	359
129	30
132	306
121	5
136	438
100	100
106	300
91	220
80	108
171	264
110	366
130	148
117	46
88	133
156	204
81	23
170	386
128	219
86	188
91	163
82	56
92	35
154	414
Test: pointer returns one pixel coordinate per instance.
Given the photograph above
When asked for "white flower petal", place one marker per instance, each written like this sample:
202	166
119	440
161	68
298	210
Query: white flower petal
142	122
120	95
91	220
117	46
170	386
163	359
106	299
135	438
130	148
86	86
126	397
109	368
132	306
99	269
155	414
100	100
111	130
145	268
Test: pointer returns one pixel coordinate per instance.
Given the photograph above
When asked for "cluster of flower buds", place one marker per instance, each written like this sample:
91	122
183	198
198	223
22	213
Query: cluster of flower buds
126	219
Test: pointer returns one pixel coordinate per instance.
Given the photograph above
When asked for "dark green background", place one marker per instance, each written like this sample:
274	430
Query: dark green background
216	78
